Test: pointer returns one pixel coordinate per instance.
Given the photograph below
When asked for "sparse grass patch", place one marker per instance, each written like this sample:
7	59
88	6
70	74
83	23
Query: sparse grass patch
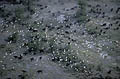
93	28
81	13
12	38
68	58
21	14
5	13
82	4
18	12
39	42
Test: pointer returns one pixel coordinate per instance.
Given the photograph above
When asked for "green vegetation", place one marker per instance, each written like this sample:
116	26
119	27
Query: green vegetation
4	12
12	38
19	13
82	4
81	13
39	42
93	28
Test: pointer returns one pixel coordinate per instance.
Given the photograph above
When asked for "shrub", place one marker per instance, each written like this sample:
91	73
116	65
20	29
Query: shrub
81	13
12	38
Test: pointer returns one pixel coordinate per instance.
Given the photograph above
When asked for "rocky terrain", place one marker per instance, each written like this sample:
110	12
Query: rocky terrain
59	39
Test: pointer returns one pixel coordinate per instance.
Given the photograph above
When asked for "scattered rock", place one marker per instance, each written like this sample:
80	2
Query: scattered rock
39	71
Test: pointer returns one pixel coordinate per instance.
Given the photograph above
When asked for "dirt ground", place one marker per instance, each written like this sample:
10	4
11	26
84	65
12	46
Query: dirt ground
94	43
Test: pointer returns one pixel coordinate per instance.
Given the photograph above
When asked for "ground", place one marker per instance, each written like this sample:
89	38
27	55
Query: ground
60	40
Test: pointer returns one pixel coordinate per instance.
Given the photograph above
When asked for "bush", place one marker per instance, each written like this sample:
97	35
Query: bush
81	13
12	38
